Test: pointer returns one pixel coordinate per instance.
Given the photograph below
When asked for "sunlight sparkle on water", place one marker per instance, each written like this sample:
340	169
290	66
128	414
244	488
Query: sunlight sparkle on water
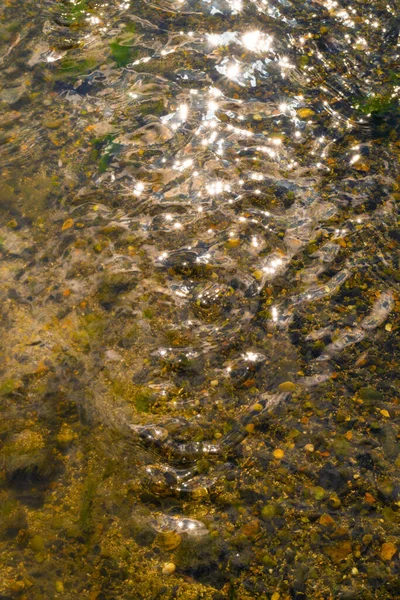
138	189
256	41
237	5
233	71
183	111
251	356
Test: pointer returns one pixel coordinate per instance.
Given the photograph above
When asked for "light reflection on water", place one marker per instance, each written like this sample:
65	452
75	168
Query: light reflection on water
199	254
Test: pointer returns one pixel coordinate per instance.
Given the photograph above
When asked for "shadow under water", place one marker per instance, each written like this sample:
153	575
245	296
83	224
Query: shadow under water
199	261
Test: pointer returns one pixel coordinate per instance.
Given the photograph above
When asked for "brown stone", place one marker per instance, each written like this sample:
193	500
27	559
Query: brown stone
67	224
388	550
305	113
362	166
339	552
169	540
326	520
252	528
369	498
342	532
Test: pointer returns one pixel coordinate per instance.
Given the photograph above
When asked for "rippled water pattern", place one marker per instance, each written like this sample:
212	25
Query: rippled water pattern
199	234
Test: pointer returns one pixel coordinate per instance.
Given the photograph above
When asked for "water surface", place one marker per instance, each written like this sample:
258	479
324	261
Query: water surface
199	382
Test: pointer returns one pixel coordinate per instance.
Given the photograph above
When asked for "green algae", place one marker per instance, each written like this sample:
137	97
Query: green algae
73	68
8	386
122	55
377	105
370	394
85	522
137	396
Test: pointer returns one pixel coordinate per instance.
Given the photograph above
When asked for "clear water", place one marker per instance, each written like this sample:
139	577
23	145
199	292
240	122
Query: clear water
199	382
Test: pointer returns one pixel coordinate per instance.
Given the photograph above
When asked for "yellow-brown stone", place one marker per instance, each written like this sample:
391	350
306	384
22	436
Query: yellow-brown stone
388	550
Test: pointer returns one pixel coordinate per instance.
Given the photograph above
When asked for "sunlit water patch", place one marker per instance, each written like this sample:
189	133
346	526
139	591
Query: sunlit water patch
199	243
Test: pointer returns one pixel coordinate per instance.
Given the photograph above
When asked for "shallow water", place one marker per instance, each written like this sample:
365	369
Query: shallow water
199	382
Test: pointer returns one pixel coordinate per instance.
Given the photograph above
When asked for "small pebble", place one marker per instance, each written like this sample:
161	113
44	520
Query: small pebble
369	498
388	550
318	492
168	569
268	512
169	540
326	520
112	355
251	529
334	501
305	113
367	539
287	386
278	453
309	448
67	224
37	543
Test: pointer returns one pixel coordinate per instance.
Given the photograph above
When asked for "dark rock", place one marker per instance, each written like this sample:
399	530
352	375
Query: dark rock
330	478
391	447
255	586
365	461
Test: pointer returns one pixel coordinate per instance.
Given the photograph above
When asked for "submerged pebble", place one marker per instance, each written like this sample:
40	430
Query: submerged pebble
168	569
